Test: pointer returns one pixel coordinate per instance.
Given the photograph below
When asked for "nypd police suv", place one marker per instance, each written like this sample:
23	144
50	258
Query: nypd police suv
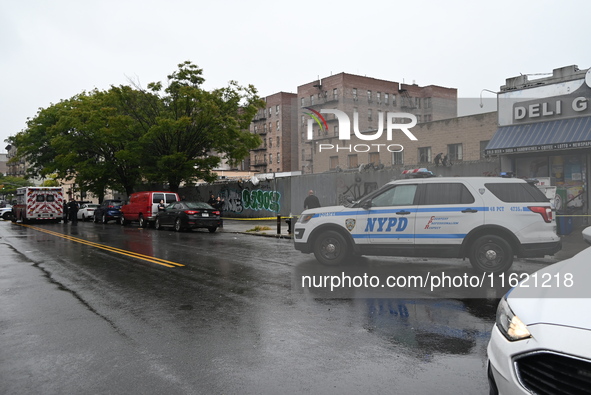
487	219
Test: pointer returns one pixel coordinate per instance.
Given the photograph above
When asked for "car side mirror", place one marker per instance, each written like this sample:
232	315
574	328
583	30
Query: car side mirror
587	234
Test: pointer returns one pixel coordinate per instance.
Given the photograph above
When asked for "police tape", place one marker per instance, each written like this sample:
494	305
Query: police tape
256	219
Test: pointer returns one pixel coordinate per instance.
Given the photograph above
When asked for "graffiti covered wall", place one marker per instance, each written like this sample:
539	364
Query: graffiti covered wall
285	196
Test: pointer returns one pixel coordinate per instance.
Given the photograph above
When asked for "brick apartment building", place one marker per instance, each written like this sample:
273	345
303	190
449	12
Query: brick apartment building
367	99
274	126
463	139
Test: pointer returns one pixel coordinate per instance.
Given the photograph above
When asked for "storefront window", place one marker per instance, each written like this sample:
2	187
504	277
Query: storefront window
568	175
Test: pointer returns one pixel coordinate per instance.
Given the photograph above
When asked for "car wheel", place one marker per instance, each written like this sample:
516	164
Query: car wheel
212	229
83	218
7	215
491	254
178	227
122	220
94	219
331	248
157	224
142	221
105	220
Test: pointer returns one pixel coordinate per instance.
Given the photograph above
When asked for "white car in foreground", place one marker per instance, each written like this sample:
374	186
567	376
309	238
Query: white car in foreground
541	342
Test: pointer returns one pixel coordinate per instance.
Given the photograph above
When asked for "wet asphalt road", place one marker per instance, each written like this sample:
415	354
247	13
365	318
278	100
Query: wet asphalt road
218	313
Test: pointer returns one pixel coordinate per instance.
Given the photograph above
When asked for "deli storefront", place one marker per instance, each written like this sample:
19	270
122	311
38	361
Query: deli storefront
545	133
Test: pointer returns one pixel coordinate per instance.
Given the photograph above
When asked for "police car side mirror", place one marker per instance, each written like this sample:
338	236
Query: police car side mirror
366	204
587	234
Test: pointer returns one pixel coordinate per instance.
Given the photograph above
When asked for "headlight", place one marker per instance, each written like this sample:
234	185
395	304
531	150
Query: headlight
305	218
509	324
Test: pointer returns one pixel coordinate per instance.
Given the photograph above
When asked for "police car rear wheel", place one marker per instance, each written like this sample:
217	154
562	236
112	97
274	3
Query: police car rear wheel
491	254
330	248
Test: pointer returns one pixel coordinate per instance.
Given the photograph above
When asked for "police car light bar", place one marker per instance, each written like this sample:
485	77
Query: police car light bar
420	172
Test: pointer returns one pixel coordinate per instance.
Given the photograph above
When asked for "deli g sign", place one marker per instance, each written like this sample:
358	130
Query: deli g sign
544	110
550	102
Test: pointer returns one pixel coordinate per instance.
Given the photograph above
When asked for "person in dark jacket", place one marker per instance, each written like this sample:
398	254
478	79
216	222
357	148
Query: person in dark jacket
66	214
311	201
73	211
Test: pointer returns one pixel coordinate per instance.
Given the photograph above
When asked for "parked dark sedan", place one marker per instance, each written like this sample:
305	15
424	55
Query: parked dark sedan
107	211
189	215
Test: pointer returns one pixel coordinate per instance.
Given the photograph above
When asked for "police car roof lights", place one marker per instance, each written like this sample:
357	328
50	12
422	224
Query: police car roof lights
416	173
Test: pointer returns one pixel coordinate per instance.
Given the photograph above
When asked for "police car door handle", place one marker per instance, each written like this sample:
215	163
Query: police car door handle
469	210
402	212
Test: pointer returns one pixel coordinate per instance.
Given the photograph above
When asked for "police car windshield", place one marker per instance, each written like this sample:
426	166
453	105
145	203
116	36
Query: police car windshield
363	199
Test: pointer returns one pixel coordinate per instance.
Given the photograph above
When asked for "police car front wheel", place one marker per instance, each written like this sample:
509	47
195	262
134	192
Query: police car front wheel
491	254
331	248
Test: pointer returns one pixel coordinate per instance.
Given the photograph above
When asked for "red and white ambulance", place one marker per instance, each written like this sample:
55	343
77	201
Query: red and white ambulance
38	203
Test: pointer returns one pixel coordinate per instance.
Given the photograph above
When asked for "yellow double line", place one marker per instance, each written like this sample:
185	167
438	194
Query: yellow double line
108	248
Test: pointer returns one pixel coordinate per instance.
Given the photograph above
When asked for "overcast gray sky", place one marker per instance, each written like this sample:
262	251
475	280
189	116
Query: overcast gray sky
52	50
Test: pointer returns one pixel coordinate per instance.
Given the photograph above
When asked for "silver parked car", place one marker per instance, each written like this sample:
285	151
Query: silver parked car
541	341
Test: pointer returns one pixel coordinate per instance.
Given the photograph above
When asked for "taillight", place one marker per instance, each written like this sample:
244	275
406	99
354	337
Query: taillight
544	211
110	206
215	212
192	212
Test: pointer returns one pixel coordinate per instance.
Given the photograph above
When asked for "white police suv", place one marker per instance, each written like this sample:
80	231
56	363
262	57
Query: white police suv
487	219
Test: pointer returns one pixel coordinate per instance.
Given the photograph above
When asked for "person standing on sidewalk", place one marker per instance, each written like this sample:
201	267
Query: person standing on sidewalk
311	201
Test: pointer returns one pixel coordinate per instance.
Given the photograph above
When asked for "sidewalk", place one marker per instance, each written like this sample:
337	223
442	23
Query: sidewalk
257	227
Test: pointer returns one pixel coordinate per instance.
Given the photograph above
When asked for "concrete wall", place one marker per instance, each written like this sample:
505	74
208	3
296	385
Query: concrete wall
285	196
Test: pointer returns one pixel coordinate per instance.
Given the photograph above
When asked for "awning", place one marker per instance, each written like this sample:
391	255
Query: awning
541	136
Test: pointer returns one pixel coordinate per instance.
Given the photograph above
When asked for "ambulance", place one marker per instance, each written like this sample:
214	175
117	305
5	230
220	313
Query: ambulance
38	204
489	220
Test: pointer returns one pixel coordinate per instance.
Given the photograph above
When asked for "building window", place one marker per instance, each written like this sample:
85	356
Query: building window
270	112
333	162
394	100
374	158
483	145
354	93
270	142
303	120
386	98
303	154
303	102
454	152
352	162
369	114
270	158
428	118
311	100
335	94
278	159
379	97
427	101
425	155
278	139
369	96
277	125
398	158
336	130
419	119
270	127
265	128
277	109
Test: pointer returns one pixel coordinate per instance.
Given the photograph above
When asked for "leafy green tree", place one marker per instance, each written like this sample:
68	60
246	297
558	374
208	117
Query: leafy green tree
126	135
189	130
9	184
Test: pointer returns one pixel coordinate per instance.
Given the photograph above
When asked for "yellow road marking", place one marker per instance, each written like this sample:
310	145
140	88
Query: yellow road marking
107	248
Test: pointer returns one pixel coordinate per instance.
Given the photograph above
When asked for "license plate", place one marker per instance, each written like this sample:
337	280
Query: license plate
205	215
